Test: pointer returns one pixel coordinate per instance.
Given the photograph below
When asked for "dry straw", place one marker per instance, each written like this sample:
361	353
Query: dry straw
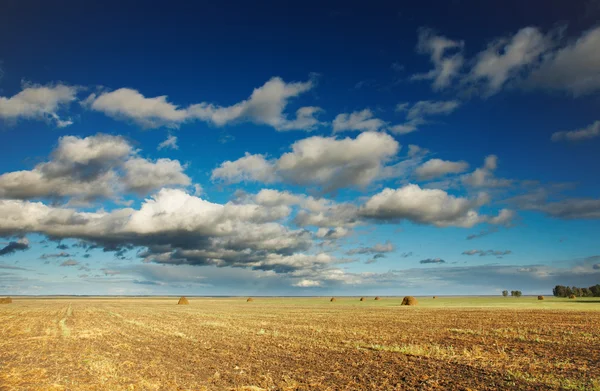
332	299
6	300
540	297
183	300
250	299
409	300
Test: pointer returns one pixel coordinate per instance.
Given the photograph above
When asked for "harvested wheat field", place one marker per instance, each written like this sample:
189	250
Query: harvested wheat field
299	344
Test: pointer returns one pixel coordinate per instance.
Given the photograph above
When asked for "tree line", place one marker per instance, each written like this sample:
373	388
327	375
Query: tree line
512	293
566	291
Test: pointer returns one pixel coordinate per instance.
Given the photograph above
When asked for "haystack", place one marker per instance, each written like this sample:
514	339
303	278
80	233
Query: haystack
435	297
377	298
250	299
540	297
332	299
362	299
409	300
572	297
6	300
183	300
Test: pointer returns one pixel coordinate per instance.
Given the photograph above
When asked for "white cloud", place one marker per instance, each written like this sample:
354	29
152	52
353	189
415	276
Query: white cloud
176	228
129	104
170	143
143	176
436	168
505	58
589	132
270	197
528	59
446	56
484	176
328	162
265	106
572	68
307	283
38	102
362	121
334	163
248	168
198	190
403	128
423	206
99	166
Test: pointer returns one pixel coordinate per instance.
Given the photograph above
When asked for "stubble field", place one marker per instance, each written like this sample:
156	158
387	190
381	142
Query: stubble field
299	344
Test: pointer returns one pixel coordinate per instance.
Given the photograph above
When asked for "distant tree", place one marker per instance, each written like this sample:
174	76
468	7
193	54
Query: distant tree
560	291
518	293
504	293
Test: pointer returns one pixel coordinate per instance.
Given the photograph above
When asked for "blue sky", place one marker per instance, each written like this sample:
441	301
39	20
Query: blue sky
302	149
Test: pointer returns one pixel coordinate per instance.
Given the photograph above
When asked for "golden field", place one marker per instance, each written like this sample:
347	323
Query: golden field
299	344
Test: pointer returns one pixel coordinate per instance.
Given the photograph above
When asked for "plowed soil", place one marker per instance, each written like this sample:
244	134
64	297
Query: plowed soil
297	344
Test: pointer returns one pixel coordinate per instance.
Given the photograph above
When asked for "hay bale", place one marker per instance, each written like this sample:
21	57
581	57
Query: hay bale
572	297
249	300
183	300
377	298
332	299
6	300
435	297
409	300
362	299
540	297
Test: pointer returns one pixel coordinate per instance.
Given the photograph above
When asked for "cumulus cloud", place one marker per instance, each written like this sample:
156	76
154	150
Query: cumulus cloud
363	121
436	168
528	59
176	228
143	176
423	206
129	104
70	262
589	132
38	102
505	58
432	261
484	177
572	68
12	247
251	168
445	54
307	283
169	143
265	106
328	162
99	166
